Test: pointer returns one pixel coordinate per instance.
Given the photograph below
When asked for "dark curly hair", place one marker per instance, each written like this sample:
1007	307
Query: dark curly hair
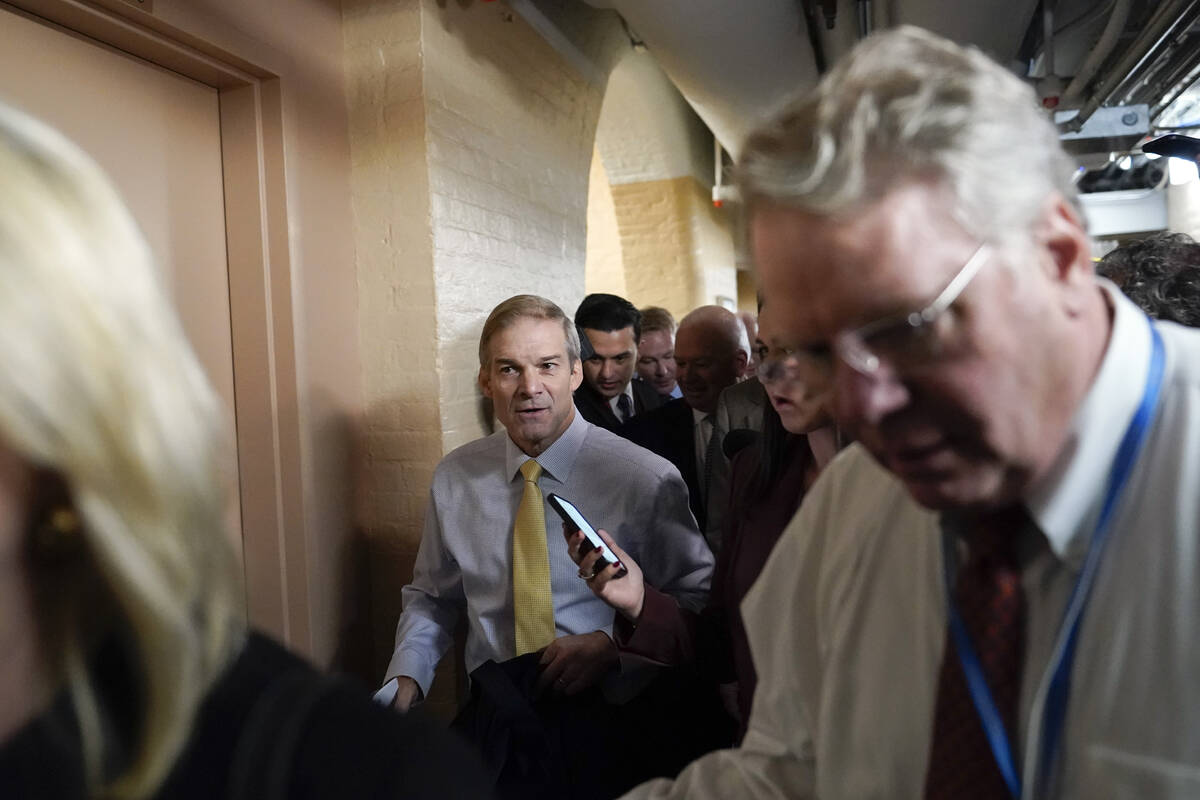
1160	273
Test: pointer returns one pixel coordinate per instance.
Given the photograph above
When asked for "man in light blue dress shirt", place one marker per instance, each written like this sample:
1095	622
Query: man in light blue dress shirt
529	365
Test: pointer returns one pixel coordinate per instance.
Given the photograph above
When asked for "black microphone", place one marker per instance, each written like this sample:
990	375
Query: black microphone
737	440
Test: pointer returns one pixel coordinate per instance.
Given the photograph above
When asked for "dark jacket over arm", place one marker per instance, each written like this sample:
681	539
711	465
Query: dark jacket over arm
715	638
668	432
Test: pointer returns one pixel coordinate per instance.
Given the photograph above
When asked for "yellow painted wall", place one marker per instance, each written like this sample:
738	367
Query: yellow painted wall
471	140
747	292
605	271
677	248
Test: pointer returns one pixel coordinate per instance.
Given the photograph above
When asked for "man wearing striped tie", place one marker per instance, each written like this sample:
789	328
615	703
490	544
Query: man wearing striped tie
608	395
487	552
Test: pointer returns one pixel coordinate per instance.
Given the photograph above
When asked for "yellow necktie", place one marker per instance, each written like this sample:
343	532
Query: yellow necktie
533	607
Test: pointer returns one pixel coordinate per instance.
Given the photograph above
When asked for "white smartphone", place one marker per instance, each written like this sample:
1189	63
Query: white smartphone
572	516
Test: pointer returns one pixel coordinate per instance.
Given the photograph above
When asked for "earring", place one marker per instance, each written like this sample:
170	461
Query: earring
56	539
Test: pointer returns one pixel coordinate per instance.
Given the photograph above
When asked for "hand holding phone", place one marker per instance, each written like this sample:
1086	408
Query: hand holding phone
573	518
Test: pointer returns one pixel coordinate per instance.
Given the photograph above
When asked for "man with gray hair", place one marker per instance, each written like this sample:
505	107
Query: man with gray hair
492	553
994	592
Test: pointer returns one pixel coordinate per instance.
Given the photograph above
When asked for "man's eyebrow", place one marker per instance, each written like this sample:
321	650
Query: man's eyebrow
555	357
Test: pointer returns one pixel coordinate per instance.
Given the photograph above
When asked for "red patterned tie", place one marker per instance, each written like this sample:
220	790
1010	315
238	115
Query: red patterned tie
987	593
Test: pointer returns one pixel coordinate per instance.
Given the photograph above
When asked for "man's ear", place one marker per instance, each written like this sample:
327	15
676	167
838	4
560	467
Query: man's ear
740	361
576	374
485	382
1065	236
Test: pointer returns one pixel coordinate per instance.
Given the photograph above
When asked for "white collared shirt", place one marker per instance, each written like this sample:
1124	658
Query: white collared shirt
847	622
613	401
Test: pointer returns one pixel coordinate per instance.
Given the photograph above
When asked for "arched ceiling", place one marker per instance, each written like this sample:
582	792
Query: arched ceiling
736	61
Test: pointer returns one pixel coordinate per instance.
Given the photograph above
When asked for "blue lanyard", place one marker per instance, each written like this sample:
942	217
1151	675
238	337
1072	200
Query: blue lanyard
1064	650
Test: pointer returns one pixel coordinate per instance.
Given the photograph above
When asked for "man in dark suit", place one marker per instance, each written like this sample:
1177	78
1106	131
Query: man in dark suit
608	396
711	351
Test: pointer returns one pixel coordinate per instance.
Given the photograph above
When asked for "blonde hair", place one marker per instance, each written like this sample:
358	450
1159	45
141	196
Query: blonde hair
907	105
526	306
99	387
657	318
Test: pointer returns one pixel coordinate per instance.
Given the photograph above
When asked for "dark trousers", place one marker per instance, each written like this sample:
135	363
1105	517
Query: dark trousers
582	746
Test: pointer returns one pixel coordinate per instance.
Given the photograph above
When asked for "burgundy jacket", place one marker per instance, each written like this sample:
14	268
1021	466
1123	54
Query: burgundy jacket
715	639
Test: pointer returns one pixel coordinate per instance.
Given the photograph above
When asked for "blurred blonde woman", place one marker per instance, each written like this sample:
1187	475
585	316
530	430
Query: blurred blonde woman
126	669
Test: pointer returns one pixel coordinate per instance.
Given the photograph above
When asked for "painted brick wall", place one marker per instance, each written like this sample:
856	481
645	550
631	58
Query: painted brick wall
656	243
510	131
401	432
712	246
605	266
471	141
677	249
647	130
747	292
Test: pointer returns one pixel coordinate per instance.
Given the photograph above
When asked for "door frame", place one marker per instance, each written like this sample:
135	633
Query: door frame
266	386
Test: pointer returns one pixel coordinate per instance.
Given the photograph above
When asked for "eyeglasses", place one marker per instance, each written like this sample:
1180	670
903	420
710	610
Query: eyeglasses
904	340
778	363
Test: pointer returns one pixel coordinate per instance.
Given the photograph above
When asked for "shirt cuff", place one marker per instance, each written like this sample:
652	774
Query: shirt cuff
387	693
410	662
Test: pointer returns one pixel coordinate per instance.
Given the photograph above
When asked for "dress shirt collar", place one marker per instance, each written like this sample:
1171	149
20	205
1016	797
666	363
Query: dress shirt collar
1066	503
612	401
558	459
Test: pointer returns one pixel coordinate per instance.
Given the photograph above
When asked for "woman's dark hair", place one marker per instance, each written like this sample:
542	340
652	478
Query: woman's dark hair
1160	273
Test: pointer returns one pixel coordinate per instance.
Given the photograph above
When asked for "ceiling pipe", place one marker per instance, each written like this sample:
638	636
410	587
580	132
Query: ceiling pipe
808	18
1102	50
829	9
1048	8
865	14
1169	56
1176	89
1049	85
1168	18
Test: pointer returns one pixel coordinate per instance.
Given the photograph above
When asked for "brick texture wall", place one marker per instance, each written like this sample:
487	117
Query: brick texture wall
677	249
605	265
401	432
510	130
471	140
